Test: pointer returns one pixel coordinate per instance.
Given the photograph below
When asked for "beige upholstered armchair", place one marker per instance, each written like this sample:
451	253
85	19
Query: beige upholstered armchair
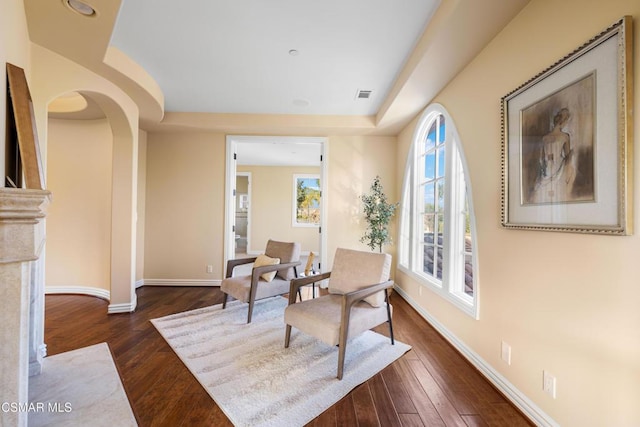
270	275
357	301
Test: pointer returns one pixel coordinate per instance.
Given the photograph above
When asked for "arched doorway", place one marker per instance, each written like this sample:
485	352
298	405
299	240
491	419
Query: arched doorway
92	170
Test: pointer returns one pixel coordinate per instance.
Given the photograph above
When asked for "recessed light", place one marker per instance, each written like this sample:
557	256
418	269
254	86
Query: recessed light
294	52
80	7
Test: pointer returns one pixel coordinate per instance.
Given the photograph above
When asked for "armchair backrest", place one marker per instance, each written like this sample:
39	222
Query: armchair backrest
287	252
353	270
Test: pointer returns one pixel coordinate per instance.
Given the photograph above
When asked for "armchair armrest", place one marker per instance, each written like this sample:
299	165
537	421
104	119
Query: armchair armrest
302	281
355	296
259	271
233	263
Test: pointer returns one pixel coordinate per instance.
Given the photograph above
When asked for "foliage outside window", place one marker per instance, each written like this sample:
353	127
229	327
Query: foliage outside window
307	197
436	220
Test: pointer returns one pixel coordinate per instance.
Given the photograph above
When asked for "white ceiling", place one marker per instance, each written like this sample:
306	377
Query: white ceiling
221	56
278	150
208	58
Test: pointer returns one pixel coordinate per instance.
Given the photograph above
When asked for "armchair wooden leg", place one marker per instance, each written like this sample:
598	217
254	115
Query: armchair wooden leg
224	300
389	316
287	336
250	310
342	345
342	348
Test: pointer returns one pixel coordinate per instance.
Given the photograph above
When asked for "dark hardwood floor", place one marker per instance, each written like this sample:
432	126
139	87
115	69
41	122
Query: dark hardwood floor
431	385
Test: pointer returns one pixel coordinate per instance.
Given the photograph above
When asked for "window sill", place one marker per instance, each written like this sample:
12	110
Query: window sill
470	309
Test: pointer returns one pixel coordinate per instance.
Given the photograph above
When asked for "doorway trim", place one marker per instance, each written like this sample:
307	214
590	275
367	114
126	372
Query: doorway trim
230	198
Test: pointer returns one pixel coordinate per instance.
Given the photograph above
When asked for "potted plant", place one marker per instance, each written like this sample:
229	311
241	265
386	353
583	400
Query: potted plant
378	214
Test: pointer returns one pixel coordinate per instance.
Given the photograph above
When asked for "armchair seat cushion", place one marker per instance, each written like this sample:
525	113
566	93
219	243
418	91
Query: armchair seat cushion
239	287
320	317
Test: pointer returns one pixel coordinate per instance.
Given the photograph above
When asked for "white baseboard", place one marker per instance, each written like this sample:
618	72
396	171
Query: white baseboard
94	292
181	282
123	308
139	283
81	290
521	401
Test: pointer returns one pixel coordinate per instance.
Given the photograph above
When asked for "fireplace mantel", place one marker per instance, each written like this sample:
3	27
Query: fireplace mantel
20	211
21	296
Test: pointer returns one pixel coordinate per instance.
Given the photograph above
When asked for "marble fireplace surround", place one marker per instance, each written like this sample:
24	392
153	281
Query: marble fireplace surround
22	346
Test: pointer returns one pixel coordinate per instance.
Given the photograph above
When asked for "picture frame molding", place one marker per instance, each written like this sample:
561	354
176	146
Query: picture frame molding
622	31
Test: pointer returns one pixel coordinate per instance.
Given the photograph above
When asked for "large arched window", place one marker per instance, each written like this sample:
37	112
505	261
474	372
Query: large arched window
437	227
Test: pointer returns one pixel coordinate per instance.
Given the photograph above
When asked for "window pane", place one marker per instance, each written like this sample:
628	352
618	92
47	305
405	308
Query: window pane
427	259
468	249
430	165
439	264
429	198
441	134
307	200
468	275
430	141
440	229
428	224
441	164
467	231
440	195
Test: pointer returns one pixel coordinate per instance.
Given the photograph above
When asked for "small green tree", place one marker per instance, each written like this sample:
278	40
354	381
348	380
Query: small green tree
378	213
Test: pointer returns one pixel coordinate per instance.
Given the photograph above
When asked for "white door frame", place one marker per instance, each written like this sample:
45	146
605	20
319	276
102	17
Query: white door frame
230	198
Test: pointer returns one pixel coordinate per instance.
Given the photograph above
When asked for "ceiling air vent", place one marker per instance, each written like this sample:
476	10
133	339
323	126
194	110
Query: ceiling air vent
363	94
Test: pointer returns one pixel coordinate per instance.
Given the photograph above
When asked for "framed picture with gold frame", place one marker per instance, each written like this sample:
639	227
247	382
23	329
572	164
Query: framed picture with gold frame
567	141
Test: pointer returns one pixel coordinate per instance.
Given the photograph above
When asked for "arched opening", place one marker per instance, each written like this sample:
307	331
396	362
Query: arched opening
91	169
79	158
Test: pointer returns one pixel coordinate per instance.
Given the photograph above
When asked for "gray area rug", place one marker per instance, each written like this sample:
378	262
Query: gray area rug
253	378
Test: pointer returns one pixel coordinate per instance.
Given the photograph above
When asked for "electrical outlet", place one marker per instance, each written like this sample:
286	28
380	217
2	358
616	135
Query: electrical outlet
506	352
549	384
209	268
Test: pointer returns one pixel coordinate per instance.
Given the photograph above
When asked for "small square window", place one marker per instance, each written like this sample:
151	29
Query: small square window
306	200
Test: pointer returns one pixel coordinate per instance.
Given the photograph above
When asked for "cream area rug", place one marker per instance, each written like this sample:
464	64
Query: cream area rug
79	388
253	378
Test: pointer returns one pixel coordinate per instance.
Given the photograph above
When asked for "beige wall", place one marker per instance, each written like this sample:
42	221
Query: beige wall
354	162
564	302
185	199
142	195
79	219
271	208
14	48
184	226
